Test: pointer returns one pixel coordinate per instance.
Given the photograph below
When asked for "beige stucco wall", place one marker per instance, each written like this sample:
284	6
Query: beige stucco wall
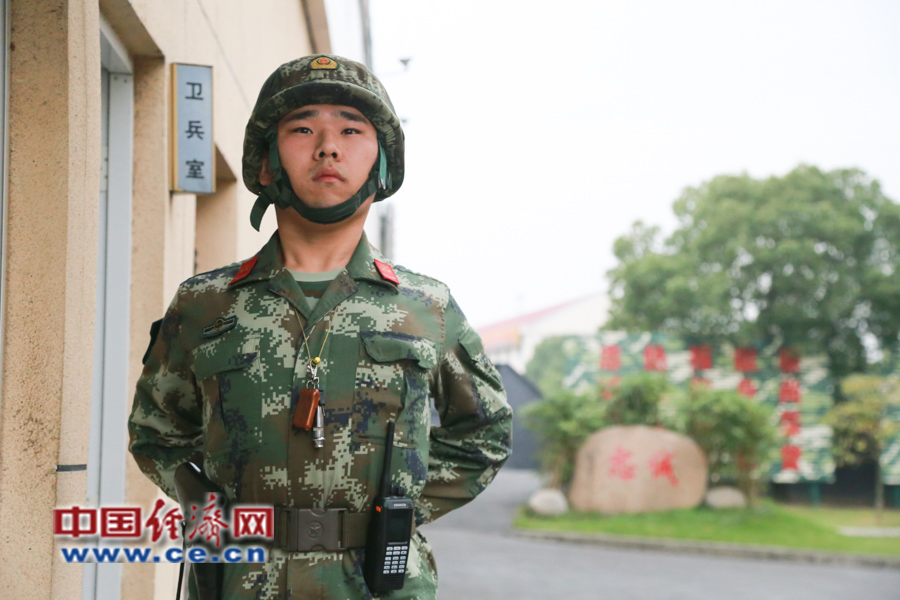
54	169
51	245
216	214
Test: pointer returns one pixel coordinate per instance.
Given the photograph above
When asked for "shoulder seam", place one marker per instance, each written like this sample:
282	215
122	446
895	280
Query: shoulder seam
423	276
212	272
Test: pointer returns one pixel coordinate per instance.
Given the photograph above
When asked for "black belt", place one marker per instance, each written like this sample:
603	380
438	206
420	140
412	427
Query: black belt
316	529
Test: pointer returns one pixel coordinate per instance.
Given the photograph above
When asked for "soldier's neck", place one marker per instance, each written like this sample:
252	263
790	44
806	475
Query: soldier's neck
315	248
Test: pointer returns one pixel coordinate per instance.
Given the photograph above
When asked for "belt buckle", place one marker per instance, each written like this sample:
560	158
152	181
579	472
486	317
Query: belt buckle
314	529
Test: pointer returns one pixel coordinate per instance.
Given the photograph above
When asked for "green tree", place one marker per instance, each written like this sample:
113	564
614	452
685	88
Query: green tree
860	427
809	258
553	358
562	421
736	435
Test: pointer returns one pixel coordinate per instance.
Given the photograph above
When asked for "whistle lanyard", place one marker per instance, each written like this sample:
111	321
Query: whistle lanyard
309	413
313	366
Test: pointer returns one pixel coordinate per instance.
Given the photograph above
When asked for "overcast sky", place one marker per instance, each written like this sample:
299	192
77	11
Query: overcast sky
538	132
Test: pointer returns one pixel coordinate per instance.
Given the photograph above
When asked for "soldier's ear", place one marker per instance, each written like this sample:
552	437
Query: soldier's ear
265	177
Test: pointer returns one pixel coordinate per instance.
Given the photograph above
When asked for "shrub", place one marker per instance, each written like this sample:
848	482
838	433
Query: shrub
860	431
561	422
736	434
635	400
861	428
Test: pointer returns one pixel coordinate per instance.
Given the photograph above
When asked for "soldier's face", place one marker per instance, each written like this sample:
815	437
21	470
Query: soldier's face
327	151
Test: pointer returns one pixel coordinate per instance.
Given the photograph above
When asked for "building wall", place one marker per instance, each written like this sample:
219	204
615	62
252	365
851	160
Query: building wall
513	342
54	170
52	231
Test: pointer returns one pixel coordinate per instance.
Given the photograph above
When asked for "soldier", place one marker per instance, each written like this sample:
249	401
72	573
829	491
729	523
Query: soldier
320	308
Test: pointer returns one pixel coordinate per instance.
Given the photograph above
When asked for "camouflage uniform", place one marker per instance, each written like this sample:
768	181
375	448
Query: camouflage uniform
223	375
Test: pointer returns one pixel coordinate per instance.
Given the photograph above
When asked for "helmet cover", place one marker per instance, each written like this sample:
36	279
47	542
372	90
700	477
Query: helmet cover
322	79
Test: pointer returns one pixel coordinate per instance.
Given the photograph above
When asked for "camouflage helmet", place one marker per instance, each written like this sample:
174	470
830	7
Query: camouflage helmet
323	79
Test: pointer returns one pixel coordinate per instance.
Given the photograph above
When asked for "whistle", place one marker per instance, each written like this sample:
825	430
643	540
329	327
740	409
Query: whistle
319	429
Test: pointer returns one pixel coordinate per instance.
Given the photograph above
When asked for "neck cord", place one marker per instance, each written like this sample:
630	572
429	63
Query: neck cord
314	362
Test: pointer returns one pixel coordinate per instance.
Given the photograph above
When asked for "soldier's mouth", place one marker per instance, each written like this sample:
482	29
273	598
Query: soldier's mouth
328	175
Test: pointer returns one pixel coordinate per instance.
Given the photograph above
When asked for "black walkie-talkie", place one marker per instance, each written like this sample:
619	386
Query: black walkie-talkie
390	530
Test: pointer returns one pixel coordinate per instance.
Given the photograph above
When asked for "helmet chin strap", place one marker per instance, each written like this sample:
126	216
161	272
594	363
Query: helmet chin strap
280	193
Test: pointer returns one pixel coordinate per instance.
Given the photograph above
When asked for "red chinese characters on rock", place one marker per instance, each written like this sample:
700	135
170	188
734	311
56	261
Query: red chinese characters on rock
654	358
747	388
610	358
619	464
790	457
661	466
789	391
637	468
745	360
701	357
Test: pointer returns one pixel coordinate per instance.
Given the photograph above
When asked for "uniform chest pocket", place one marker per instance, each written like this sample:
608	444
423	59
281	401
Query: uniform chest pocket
393	380
229	376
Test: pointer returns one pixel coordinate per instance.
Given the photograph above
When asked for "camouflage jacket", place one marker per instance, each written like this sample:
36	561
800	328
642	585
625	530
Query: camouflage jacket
222	377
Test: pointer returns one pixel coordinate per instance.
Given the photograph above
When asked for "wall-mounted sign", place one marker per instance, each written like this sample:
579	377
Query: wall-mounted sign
193	153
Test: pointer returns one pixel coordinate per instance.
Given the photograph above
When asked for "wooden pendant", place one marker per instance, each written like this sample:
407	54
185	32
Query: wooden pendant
305	413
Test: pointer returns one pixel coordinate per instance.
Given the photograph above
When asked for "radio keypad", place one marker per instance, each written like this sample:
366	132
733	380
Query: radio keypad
395	559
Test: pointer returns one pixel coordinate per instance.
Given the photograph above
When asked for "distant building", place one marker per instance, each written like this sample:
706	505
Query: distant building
512	342
520	392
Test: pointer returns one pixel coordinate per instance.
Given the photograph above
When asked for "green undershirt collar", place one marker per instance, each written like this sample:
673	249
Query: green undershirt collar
314	285
323	276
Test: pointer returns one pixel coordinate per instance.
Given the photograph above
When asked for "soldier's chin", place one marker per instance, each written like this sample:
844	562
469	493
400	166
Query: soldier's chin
324	200
321	203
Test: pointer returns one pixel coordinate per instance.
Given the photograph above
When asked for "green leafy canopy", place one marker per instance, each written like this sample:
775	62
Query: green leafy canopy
808	258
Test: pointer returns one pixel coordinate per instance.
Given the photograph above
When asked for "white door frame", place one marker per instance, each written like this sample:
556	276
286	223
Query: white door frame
110	397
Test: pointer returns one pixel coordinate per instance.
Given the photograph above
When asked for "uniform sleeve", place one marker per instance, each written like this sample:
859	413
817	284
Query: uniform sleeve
475	435
165	426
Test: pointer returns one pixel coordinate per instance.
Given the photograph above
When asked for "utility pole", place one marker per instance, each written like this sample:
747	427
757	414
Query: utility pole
366	22
385	213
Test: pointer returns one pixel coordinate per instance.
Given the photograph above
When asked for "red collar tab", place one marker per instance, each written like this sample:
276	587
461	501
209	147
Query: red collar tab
386	272
245	269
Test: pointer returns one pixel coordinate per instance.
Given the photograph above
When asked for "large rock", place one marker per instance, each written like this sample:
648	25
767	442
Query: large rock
726	496
548	503
632	469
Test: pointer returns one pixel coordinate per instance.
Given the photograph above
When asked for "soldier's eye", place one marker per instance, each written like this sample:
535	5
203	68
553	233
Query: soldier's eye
351	130
302	130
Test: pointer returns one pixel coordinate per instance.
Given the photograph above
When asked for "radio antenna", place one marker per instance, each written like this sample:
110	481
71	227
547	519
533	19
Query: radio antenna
386	469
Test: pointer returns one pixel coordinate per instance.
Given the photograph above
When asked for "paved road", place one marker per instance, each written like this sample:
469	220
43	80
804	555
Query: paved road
478	558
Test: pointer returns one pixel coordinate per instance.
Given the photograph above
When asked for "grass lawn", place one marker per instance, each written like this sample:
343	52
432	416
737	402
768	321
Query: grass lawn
847	517
770	525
